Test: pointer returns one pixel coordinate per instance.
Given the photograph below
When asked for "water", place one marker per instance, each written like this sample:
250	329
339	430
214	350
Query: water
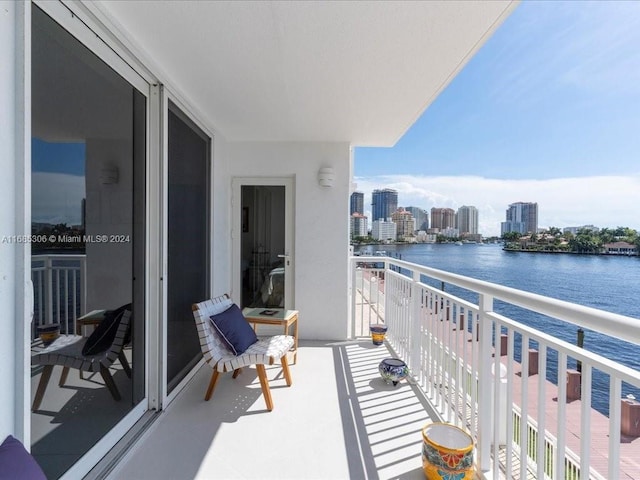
608	283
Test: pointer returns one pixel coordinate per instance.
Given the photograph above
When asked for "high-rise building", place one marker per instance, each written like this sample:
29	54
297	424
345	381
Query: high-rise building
383	203
521	217
467	219
405	223
442	218
575	230
357	203
421	216
383	230
450	232
358	225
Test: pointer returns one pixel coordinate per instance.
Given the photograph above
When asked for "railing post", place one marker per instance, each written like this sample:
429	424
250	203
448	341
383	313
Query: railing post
416	333
83	286
48	286
485	413
499	395
387	315
352	296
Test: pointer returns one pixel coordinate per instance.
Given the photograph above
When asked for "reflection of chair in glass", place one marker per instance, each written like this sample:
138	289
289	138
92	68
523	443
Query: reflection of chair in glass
67	351
272	290
265	351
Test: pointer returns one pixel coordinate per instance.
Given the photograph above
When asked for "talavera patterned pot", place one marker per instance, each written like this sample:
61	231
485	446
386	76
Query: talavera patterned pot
447	452
392	370
378	331
48	333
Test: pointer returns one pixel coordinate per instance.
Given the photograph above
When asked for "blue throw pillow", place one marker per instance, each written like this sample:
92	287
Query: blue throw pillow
16	463
234	329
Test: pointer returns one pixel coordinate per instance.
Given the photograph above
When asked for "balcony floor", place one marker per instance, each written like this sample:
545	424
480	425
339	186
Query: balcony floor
338	420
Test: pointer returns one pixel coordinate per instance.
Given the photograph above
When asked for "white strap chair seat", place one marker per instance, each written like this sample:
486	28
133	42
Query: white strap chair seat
66	351
266	351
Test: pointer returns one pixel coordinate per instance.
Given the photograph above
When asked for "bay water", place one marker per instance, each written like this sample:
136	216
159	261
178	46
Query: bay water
606	282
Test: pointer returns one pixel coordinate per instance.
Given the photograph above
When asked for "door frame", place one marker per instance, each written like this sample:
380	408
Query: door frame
236	230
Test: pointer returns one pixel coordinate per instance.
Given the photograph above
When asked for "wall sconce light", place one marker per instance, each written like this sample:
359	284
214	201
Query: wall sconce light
326	175
109	175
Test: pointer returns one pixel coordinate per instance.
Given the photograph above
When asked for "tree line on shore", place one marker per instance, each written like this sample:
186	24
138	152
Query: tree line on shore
584	241
552	239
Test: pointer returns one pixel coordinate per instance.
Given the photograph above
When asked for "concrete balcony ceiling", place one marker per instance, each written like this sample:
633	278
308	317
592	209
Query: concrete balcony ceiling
360	72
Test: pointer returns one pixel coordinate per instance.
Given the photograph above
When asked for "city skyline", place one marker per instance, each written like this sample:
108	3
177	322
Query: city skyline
546	112
503	218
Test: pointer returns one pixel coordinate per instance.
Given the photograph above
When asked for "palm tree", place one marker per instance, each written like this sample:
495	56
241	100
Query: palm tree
555	231
585	242
606	235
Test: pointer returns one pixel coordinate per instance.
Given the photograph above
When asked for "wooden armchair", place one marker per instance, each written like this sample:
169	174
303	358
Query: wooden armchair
217	353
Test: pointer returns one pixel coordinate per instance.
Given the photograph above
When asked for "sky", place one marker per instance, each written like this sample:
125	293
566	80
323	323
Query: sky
548	111
57	182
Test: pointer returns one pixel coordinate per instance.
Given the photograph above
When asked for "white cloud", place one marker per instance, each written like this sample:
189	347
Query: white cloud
591	47
604	201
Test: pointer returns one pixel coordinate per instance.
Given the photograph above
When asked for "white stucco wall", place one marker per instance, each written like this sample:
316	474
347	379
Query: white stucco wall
321	225
109	212
14	208
7	205
220	219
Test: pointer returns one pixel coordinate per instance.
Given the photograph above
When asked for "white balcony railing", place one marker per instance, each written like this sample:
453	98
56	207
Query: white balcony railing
59	291
453	346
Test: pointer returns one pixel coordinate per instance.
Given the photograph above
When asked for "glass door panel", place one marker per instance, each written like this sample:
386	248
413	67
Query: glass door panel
88	211
188	240
264	256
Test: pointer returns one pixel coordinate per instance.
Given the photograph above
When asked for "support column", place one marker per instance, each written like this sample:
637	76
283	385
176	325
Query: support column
15	219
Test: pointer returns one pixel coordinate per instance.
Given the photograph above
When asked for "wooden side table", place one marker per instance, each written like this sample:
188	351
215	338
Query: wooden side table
280	316
92	318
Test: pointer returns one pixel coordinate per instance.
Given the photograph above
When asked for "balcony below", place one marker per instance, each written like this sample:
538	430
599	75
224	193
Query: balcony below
338	420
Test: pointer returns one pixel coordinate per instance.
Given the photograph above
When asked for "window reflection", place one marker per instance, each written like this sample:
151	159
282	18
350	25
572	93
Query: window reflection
88	156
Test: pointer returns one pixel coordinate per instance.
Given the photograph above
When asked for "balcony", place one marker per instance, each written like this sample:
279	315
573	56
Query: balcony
453	346
339	420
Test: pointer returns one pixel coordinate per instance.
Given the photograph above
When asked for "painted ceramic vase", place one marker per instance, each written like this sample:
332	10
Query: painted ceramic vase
392	370
49	333
447	452
378	331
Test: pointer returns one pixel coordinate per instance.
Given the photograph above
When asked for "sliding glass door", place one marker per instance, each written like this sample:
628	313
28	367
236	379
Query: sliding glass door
188	241
88	254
